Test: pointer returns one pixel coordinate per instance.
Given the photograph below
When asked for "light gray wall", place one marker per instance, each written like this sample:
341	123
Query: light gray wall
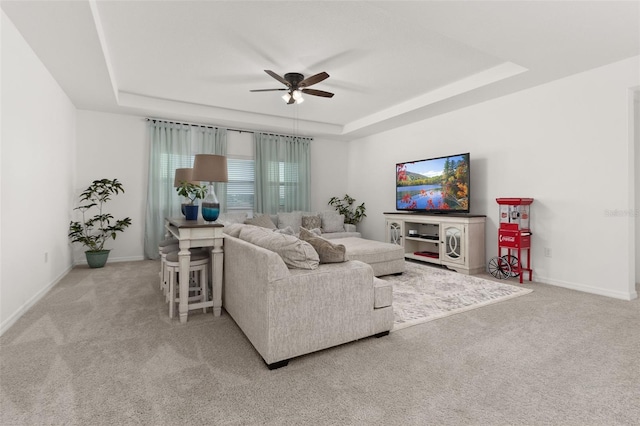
115	146
38	164
565	144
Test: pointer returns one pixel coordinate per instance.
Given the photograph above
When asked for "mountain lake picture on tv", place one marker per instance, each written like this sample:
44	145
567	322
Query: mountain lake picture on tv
434	185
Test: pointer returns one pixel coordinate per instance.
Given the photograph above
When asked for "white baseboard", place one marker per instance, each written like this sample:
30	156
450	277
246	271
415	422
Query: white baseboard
588	289
6	324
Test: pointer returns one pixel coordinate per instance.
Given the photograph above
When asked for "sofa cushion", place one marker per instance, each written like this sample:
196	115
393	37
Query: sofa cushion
327	251
294	252
332	223
292	219
262	220
311	222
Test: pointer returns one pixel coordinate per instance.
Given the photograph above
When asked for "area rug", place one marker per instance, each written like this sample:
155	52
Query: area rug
425	293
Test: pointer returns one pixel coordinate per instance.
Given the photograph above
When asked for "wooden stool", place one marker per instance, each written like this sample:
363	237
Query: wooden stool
164	278
165	246
198	279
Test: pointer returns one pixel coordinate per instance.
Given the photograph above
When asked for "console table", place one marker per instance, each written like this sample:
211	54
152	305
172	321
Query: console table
198	233
452	240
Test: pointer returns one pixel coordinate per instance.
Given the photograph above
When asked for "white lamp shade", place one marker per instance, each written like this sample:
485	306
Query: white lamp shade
210	168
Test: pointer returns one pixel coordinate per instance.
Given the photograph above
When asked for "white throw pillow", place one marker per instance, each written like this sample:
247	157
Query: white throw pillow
332	223
294	252
233	217
292	219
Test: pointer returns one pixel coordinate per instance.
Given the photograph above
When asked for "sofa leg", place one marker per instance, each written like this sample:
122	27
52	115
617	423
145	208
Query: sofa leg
278	364
384	333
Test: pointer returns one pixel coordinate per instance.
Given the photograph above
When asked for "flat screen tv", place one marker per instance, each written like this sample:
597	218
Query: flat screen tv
436	185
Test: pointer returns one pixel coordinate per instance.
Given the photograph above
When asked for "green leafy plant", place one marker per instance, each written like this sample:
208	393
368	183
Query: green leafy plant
344	206
94	231
191	191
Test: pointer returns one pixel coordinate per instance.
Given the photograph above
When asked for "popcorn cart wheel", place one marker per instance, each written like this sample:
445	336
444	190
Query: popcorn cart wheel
499	268
514	264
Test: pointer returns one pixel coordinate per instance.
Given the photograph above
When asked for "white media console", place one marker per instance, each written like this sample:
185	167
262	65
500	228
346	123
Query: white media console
452	240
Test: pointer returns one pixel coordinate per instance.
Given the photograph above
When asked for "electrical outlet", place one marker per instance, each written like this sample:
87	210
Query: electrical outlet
46	257
547	252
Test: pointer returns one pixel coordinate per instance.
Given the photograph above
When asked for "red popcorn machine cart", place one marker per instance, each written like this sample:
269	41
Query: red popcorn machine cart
514	236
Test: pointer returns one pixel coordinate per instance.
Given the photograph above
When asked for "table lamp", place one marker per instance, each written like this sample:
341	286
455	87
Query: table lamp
210	168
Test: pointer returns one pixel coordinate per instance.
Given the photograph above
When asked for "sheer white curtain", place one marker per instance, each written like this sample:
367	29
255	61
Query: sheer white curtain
173	146
283	173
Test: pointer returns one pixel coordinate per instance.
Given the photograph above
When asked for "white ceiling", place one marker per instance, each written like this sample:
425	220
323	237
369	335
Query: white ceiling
391	62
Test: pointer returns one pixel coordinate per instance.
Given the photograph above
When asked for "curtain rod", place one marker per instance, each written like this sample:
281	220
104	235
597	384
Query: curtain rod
197	125
217	127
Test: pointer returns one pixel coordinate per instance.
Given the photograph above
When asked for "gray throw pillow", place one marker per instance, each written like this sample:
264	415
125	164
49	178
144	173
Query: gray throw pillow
327	251
263	220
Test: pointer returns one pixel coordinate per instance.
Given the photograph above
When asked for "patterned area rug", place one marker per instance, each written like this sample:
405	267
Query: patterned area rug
424	293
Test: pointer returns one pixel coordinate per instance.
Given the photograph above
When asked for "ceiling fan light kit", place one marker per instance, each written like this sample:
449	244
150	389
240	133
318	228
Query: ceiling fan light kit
297	85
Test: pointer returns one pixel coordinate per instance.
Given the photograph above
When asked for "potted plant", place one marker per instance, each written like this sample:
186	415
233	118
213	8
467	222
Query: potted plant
94	231
345	207
191	192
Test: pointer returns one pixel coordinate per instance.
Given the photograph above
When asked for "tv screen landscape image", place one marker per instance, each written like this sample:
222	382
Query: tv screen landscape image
438	185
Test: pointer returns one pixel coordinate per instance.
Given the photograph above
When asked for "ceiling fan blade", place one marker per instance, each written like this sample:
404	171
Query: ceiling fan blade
318	93
267	90
277	77
309	81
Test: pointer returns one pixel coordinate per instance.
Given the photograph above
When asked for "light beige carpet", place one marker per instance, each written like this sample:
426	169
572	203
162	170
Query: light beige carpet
425	293
99	349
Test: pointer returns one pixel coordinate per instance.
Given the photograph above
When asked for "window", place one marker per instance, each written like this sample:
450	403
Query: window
240	188
241	185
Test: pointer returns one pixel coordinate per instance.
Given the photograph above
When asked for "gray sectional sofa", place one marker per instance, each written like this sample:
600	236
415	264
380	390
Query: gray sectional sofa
288	311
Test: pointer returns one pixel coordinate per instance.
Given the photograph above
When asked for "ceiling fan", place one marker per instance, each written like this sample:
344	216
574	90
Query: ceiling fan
297	85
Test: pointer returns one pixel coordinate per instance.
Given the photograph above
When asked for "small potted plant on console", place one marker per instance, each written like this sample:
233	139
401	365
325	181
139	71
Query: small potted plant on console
94	231
191	192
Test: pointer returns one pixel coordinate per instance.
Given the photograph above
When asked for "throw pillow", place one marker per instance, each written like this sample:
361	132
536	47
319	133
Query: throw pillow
333	223
294	252
311	222
286	231
233	217
327	251
263	220
316	231
233	229
292	219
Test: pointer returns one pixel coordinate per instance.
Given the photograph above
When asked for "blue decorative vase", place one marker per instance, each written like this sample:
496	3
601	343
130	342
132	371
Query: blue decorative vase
210	211
191	211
